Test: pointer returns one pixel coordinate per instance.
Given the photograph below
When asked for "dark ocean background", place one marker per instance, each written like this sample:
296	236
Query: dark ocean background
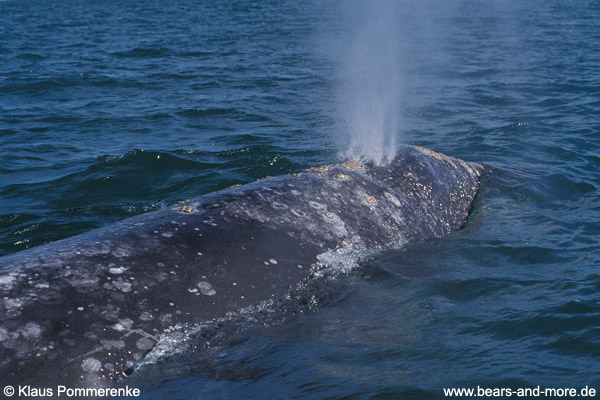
109	109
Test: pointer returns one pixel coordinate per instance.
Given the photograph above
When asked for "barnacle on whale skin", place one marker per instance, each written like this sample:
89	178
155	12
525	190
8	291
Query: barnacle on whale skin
371	200
349	165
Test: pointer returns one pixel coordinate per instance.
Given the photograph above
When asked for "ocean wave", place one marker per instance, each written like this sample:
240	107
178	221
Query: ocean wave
143	52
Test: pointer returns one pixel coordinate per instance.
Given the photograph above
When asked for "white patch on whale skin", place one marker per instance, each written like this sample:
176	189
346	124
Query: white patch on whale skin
13	306
167	234
146	316
122	252
91	365
9	340
7	282
317	206
113	344
90	335
299	213
145	343
206	289
335	222
123	286
273	261
116	270
123	325
279	206
31	331
392	199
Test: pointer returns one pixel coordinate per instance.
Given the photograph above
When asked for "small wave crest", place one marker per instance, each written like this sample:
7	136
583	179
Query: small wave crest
142	52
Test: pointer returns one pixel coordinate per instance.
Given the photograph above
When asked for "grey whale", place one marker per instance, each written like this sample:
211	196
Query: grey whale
84	310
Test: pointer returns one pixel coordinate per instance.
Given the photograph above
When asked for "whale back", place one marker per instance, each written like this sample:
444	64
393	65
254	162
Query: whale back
84	310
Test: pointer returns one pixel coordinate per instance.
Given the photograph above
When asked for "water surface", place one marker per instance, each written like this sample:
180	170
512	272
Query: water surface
112	109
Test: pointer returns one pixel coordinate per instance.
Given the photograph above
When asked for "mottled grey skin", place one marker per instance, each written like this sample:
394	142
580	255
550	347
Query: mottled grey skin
82	311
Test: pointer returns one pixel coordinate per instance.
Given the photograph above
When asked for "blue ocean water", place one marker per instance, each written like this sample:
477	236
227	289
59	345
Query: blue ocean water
111	109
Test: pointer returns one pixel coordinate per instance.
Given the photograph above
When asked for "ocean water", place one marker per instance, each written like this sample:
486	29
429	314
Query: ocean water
111	109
